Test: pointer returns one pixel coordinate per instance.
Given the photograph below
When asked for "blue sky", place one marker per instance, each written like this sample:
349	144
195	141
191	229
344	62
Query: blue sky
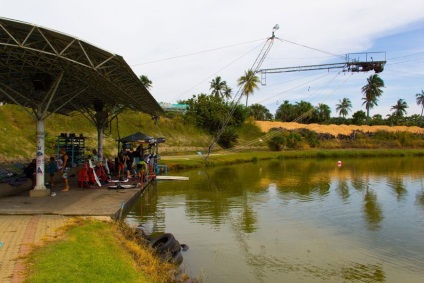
153	36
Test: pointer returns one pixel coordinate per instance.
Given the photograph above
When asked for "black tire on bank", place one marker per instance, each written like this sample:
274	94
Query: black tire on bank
176	247
166	242
177	258
184	247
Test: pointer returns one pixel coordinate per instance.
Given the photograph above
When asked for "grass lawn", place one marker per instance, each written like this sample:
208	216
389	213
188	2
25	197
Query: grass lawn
96	251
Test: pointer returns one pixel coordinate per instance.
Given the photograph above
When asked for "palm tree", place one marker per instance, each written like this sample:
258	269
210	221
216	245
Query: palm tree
218	87
323	113
227	92
249	83
372	91
344	107
259	112
399	108
146	82
420	101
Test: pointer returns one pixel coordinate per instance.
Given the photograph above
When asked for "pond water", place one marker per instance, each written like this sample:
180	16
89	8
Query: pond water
290	220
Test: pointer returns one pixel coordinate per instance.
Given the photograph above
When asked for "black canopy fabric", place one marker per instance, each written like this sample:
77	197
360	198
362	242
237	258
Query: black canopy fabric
141	138
136	137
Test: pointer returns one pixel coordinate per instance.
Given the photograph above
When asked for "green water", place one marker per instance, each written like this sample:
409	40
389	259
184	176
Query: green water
295	220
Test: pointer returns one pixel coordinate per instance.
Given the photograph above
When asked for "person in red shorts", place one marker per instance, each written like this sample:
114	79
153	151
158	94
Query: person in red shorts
121	163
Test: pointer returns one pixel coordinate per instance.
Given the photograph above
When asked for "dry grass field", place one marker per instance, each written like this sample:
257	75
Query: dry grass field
336	129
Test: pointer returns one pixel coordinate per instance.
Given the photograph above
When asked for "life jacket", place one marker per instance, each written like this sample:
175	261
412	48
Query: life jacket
101	174
141	166
83	177
91	178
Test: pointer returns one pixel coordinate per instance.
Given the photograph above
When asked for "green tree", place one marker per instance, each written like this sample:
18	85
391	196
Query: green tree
372	91
420	101
227	92
377	119
344	107
414	120
304	112
399	109
322	113
249	82
146	82
285	112
208	112
259	112
218	87
359	117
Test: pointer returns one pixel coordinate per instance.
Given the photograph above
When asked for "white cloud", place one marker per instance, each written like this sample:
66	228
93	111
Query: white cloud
144	31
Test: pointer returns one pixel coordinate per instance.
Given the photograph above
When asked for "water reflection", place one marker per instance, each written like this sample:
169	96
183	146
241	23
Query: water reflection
372	210
364	273
358	183
342	189
396	183
295	220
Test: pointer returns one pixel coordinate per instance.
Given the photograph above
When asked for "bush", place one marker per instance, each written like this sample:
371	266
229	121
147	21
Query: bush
293	140
228	138
311	138
276	143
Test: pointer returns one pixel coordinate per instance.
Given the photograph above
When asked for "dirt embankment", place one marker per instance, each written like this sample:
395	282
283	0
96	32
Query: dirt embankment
335	130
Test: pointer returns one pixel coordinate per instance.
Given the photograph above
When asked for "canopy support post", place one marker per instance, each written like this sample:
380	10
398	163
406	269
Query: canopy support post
40	189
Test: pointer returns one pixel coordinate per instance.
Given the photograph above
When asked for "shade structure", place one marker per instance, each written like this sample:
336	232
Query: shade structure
46	71
35	59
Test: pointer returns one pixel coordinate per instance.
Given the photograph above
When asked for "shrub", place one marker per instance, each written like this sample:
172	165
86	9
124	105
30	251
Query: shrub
311	138
276	143
228	138
293	140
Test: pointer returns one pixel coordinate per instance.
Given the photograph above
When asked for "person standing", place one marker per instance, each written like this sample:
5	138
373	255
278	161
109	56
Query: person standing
52	170
141	171
129	161
121	164
95	156
65	169
30	171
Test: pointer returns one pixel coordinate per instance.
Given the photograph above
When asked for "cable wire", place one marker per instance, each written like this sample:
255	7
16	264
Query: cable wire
255	67
243	55
315	49
271	134
195	53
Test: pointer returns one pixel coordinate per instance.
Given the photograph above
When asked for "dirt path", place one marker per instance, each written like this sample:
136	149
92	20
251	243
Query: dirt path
335	129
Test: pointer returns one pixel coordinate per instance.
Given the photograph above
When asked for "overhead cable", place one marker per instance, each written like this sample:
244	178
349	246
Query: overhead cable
195	53
312	48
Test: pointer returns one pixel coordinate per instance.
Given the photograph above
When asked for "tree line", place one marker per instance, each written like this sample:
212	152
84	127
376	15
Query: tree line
208	109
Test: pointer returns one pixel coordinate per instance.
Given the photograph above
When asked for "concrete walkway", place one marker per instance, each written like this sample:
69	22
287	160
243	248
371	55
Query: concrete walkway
18	233
25	220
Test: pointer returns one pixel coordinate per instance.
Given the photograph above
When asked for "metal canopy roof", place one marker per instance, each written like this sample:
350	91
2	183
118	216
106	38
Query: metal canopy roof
35	60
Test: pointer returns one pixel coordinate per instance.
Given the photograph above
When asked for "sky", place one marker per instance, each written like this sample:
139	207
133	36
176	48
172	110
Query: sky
181	46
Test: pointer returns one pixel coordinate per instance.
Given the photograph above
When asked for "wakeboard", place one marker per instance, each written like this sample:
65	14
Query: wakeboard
94	172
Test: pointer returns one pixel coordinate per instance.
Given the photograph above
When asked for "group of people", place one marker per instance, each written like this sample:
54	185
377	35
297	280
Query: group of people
128	163
133	163
53	166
